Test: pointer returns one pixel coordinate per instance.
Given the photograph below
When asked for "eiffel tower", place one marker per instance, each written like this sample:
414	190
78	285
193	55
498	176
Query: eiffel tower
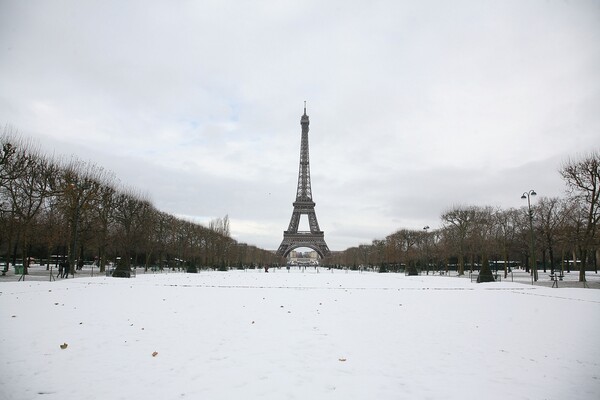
304	204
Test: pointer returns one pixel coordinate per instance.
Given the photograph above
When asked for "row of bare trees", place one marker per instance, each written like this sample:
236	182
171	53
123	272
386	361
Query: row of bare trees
565	232
74	211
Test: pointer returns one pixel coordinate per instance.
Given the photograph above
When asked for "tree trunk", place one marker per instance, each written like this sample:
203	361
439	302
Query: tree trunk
461	265
8	253
25	257
505	257
14	254
101	258
582	265
147	261
544	259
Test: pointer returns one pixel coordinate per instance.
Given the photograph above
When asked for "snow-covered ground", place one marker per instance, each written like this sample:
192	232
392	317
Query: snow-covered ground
251	335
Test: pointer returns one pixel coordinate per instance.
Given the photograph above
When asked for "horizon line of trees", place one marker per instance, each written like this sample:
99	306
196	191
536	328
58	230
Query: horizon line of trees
76	211
71	210
565	234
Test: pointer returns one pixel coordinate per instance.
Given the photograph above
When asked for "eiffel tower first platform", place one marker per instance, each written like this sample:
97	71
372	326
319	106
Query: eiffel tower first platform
304	204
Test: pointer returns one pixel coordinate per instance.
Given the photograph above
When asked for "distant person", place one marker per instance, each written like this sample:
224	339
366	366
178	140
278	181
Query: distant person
61	267
67	269
80	265
266	268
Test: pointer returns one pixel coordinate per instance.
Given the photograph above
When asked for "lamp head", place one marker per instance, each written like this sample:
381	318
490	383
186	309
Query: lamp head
533	193
523	196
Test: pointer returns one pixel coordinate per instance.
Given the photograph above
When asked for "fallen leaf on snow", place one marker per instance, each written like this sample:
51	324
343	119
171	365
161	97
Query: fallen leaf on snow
342	359
63	346
154	354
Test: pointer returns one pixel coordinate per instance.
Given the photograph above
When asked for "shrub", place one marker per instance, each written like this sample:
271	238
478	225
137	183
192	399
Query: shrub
121	273
485	274
412	270
192	269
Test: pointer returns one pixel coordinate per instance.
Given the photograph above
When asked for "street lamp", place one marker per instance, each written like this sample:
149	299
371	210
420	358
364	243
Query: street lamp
534	274
426	249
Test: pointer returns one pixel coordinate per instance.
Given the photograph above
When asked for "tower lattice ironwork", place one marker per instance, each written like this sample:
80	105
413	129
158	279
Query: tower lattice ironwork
304	204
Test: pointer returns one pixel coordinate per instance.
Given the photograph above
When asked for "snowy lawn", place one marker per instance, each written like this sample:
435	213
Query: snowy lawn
251	335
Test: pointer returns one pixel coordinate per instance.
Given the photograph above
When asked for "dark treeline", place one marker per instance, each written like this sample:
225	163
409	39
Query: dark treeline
75	211
565	234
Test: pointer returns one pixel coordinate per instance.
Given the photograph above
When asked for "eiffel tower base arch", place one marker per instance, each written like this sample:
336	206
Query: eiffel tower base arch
294	240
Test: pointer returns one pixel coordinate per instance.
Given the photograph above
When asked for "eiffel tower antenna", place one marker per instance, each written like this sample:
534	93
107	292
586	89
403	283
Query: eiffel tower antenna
304	204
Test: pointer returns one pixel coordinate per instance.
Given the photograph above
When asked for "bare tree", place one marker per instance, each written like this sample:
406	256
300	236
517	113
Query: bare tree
12	165
583	181
378	254
552	216
129	213
483	220
103	218
80	185
7	152
459	221
219	240
507	227
28	190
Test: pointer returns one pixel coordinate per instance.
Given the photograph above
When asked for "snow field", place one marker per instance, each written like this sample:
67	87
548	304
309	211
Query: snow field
227	335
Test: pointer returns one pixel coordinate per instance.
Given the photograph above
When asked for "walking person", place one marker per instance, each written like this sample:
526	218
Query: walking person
67	269
61	267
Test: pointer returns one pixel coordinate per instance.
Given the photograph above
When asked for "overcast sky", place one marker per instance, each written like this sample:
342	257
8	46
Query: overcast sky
415	106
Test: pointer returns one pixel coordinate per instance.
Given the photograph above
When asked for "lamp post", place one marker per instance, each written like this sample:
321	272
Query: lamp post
533	266
5	266
426	249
